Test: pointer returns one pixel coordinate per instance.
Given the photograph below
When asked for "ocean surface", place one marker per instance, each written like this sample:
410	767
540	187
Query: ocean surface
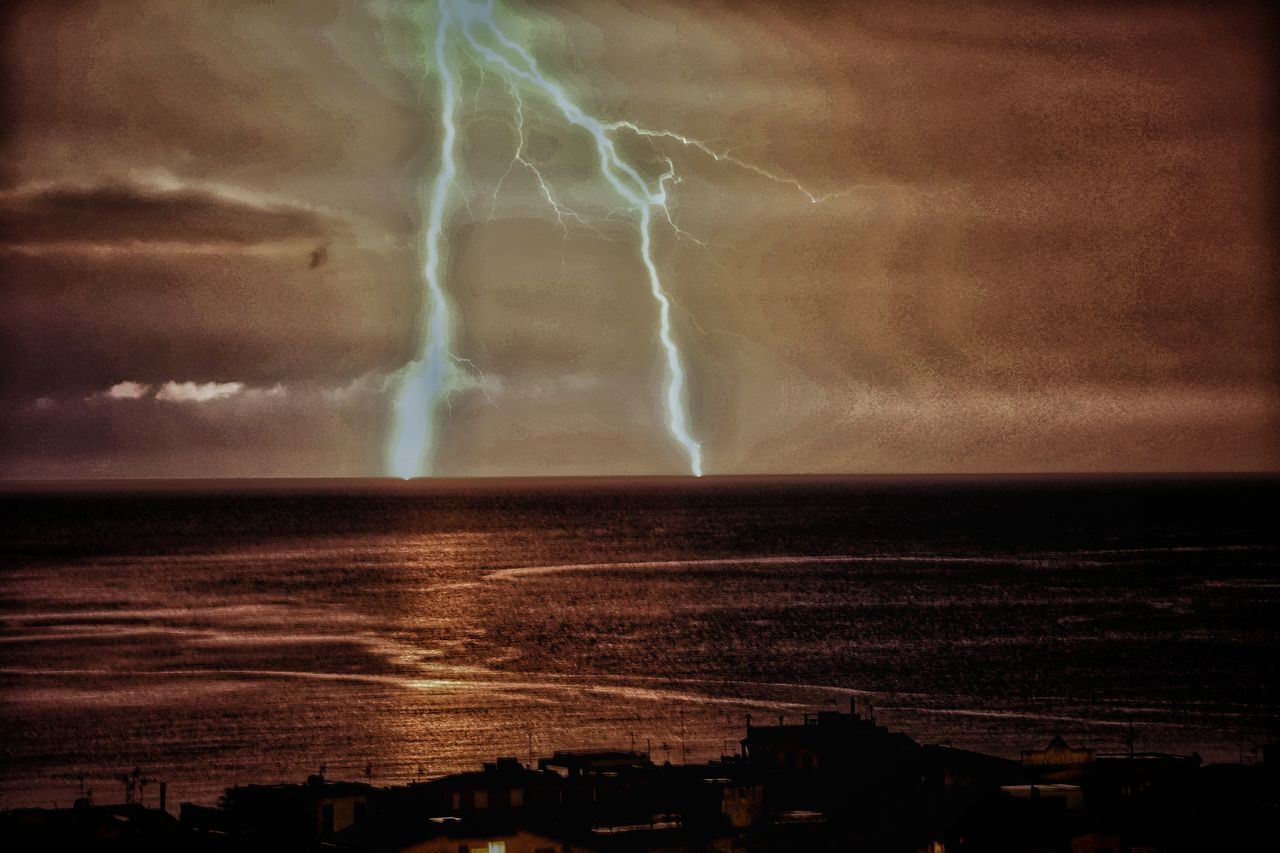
211	635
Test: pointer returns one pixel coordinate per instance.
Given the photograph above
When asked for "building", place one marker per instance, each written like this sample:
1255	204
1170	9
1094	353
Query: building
504	786
1057	762
316	810
471	839
88	827
828	742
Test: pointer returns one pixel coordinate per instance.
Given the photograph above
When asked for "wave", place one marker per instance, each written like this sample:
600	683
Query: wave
730	562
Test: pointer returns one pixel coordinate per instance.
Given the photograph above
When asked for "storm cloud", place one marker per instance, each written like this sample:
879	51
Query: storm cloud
108	215
1049	243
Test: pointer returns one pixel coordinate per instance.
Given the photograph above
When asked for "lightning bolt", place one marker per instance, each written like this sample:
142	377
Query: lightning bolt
427	382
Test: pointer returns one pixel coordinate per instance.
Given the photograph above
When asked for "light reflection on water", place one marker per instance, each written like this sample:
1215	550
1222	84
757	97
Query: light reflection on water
259	656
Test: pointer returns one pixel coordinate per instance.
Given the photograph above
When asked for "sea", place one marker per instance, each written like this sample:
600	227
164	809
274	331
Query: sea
219	633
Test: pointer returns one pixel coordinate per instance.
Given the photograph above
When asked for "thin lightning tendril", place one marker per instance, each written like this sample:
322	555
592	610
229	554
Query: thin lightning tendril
428	380
720	157
561	211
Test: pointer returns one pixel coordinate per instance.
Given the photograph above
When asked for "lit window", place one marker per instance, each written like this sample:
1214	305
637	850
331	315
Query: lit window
517	797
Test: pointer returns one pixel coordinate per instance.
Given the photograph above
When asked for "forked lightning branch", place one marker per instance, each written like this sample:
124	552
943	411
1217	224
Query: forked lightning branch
470	33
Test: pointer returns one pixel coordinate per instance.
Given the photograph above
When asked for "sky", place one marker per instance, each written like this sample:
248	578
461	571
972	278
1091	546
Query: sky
1047	243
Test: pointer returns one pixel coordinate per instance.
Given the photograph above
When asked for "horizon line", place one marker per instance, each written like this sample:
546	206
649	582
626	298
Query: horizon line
385	483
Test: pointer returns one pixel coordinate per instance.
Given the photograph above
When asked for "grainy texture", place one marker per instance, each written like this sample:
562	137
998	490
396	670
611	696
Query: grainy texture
1053	248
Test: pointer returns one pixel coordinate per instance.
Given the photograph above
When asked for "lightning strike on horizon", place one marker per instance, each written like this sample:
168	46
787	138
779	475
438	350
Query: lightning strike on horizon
427	382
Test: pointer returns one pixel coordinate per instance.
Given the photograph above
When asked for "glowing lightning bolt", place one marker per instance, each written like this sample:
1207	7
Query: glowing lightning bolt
428	380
